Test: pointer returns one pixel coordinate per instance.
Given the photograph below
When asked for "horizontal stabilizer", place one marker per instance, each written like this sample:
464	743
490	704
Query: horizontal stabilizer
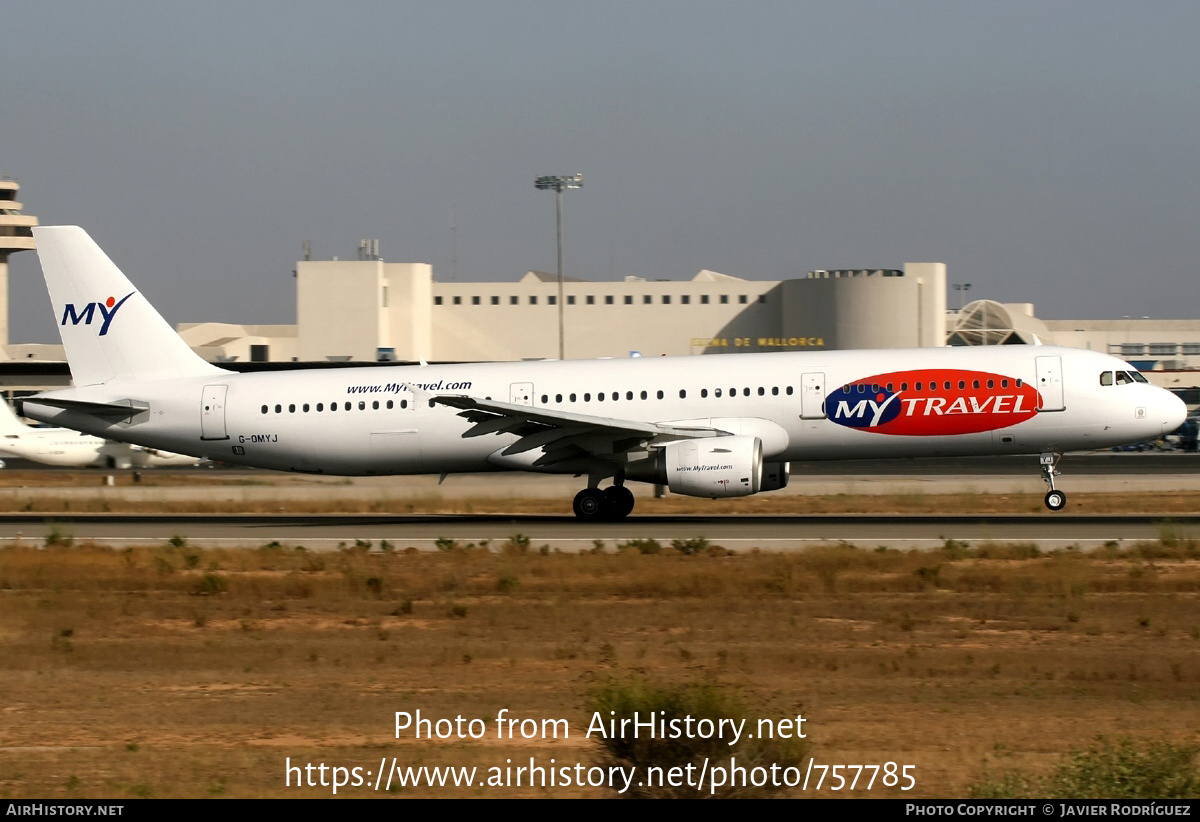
111	411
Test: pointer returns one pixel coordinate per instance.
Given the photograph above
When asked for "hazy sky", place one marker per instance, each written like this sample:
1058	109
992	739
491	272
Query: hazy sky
1046	151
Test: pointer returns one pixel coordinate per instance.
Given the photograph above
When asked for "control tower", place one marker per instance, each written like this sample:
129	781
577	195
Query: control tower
16	234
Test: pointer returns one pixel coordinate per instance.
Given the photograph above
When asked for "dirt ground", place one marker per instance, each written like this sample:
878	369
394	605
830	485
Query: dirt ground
185	672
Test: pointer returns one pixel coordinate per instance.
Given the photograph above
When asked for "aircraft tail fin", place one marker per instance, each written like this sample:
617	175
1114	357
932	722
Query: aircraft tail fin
108	328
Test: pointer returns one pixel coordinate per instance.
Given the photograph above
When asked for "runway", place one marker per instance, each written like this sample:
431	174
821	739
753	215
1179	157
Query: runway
1099	472
564	533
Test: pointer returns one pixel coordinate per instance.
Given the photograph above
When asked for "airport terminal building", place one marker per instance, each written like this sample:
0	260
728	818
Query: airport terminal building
367	310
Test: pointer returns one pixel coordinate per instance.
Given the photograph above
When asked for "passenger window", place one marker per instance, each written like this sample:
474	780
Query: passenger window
389	405
305	408
716	392
362	406
991	383
404	403
643	395
346	406
587	397
659	394
703	393
789	391
264	409
775	391
374	406
682	394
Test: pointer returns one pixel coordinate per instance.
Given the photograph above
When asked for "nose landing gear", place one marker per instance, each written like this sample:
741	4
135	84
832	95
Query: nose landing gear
1055	499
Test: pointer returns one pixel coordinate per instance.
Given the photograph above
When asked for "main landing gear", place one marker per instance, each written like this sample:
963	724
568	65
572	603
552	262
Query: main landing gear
1055	499
611	504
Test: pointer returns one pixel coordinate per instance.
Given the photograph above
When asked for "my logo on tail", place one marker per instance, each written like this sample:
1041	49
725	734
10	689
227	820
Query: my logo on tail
107	309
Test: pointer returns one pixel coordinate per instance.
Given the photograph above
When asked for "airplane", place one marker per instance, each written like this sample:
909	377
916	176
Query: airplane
706	426
71	449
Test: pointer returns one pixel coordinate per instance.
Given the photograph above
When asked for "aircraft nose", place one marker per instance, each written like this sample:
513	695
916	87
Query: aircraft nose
1173	411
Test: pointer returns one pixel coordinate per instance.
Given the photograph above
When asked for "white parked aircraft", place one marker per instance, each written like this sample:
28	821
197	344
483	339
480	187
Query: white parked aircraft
706	426
71	449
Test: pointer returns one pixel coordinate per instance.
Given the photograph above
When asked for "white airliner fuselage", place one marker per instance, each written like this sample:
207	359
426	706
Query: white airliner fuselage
715	426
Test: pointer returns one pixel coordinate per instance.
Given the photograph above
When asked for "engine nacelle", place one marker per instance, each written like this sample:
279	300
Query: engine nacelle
775	475
713	466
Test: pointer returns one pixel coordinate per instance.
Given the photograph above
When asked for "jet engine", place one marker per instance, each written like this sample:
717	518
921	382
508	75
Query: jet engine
713	466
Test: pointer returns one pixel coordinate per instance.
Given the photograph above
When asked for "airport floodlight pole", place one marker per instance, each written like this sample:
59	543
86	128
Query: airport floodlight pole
558	184
962	289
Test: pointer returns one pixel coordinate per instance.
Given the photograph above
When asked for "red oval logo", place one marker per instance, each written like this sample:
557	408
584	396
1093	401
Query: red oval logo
932	402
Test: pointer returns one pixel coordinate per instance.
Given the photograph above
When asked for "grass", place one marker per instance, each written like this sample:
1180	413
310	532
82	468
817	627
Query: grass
1119	768
219	665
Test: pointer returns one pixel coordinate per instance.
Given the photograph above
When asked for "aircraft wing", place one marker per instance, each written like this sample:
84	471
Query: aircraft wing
563	435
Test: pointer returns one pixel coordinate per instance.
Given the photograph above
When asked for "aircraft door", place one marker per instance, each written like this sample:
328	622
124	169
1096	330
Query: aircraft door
521	393
812	396
212	413
1050	383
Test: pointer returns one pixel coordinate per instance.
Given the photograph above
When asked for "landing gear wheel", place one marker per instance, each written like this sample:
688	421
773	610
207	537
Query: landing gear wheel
589	504
618	502
1055	499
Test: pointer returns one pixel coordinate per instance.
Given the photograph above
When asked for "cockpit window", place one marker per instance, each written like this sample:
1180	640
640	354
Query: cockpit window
1123	378
1106	378
1137	376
